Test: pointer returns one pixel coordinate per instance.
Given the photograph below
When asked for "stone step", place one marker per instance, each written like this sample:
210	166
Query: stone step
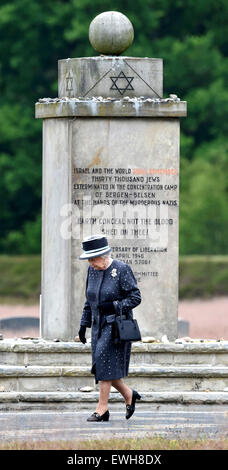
40	352
49	366
82	400
144	370
149	378
153	358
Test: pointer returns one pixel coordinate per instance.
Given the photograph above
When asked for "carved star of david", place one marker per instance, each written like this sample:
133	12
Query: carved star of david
122	76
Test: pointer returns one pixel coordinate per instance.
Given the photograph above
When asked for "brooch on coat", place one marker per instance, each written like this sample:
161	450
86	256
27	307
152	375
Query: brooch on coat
113	272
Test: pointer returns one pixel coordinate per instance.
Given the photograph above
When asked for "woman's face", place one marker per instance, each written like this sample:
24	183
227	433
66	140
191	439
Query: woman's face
98	262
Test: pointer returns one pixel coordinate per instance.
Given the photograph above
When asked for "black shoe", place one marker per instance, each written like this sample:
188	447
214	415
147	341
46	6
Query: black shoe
131	408
96	417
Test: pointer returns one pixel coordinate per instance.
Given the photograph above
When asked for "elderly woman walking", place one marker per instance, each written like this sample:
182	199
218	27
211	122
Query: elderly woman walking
110	285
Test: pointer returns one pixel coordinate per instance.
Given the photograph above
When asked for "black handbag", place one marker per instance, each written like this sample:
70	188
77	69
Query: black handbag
127	328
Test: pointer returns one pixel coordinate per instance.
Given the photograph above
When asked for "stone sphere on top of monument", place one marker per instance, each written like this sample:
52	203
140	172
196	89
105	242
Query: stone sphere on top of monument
109	73
111	33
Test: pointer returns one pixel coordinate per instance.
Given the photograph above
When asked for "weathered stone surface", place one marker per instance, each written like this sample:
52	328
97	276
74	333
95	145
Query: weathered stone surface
17	345
46	383
103	152
144	370
143	377
26	353
57	318
43	371
129	158
111	32
141	108
65	367
147	397
110	76
176	369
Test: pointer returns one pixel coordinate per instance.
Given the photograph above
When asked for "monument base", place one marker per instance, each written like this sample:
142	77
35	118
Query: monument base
193	373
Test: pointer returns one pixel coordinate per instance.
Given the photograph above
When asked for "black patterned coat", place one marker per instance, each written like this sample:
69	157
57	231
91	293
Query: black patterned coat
116	283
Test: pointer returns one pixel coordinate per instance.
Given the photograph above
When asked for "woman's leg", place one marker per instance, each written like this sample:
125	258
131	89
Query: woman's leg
105	386
123	389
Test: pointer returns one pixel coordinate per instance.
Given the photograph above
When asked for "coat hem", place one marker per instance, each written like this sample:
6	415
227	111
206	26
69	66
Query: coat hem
96	379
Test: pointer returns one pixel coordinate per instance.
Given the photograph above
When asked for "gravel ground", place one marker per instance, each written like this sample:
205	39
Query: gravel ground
208	318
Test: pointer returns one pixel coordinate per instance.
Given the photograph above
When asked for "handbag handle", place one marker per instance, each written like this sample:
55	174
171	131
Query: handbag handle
121	316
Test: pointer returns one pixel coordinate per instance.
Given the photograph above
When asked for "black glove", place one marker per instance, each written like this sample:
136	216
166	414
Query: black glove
107	308
81	333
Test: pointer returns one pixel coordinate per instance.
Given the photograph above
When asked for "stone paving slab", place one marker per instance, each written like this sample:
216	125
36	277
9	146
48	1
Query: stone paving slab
171	422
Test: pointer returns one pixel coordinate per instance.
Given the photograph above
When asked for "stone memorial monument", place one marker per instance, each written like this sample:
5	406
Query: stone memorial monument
110	166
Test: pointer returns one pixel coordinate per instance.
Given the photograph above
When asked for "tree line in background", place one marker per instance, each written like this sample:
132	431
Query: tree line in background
190	36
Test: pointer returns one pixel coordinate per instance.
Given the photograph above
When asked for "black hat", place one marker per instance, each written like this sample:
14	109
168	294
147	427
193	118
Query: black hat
94	246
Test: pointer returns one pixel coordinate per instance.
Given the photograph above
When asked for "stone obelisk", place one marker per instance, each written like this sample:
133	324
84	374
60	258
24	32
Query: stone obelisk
111	166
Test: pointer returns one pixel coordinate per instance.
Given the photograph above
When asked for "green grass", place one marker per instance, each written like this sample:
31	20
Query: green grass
203	276
199	276
20	279
146	443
